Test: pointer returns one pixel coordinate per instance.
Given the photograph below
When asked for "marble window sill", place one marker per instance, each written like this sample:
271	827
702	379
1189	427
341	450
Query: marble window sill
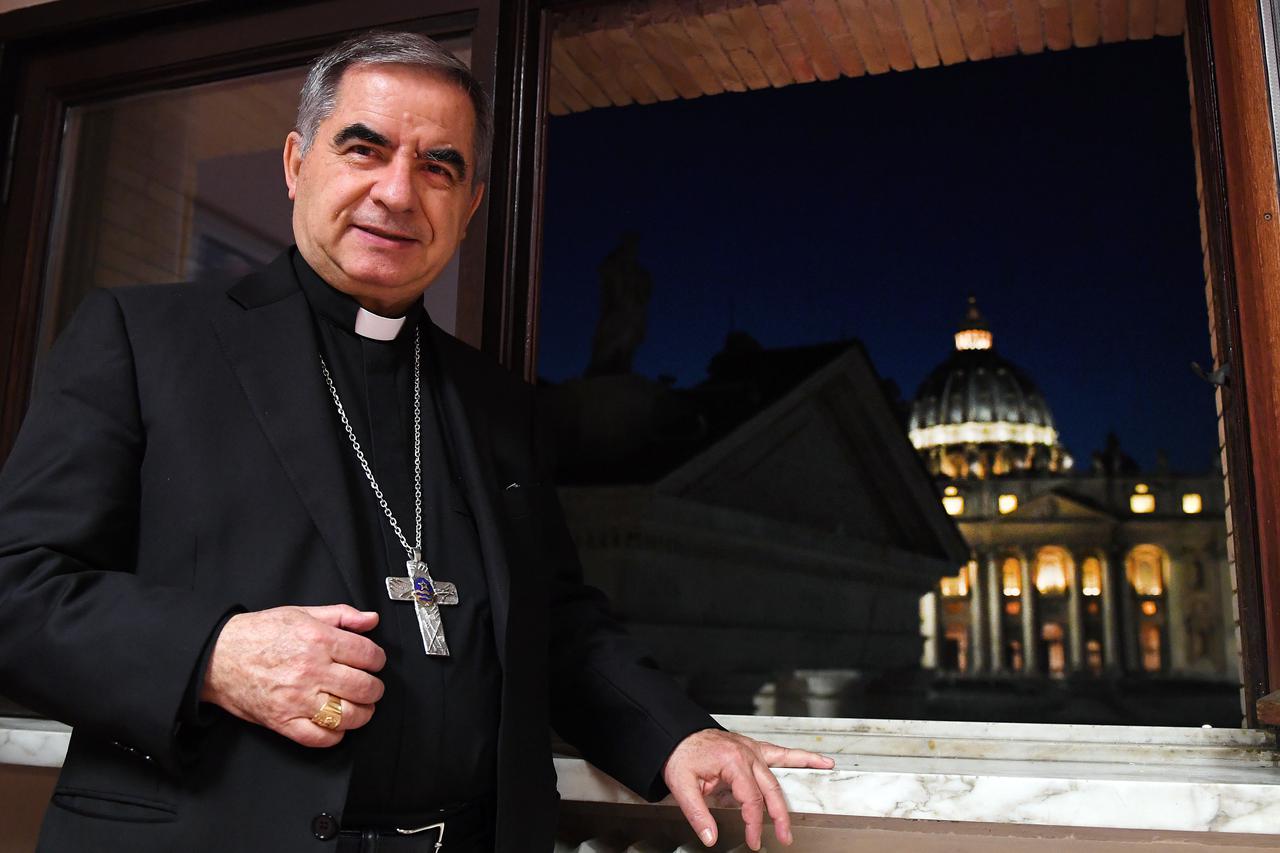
1120	777
1114	777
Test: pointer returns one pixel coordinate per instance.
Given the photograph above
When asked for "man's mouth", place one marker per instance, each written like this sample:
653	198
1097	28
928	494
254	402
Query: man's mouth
386	234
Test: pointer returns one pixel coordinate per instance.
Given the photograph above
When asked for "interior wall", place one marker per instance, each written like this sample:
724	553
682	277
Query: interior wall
24	794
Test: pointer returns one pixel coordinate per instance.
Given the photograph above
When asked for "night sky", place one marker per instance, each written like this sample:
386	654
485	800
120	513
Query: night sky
1059	189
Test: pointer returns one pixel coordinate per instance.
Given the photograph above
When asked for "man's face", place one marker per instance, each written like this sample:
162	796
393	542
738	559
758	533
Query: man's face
382	198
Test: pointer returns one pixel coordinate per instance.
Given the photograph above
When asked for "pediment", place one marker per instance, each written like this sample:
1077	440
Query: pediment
1057	506
830	455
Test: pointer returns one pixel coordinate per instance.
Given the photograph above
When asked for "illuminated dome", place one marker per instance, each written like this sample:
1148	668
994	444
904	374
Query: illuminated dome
979	415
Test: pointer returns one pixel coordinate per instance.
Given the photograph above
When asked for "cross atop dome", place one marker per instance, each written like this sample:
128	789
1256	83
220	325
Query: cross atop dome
973	333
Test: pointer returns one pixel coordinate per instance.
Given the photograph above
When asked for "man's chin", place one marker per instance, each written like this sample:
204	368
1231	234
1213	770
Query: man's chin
384	296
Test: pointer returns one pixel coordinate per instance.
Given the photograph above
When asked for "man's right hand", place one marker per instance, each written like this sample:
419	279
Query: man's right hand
277	667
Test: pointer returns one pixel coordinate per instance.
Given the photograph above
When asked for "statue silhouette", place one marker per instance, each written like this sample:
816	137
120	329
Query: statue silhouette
625	288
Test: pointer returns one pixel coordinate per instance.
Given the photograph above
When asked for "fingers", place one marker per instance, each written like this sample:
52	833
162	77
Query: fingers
357	651
775	801
747	792
354	715
687	793
354	685
781	756
302	730
305	731
343	616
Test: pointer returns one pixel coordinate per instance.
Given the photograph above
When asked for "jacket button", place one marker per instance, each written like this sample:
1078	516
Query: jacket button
324	826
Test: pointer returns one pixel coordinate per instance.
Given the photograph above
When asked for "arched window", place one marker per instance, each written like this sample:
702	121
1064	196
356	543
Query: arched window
1053	565
1145	569
1011	573
1091	576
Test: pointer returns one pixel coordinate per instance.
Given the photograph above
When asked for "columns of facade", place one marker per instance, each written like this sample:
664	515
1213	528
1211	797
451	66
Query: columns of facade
1111	658
1175	654
977	622
1113	584
1128	621
1075	617
995	610
1030	642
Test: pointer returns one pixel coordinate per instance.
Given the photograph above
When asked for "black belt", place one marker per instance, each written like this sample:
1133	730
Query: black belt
468	829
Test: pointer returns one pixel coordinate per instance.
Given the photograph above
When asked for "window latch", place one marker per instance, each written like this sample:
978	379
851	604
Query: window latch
1218	378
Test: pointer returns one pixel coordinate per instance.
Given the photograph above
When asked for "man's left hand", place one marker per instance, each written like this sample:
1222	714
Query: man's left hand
712	759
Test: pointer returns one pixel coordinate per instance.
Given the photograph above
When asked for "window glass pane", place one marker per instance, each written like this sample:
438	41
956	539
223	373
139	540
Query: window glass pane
759	306
179	184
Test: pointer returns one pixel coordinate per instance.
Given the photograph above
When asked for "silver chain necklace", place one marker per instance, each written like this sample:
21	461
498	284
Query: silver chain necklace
416	585
414	551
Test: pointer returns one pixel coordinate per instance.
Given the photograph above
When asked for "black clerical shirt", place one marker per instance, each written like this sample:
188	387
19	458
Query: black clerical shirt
432	742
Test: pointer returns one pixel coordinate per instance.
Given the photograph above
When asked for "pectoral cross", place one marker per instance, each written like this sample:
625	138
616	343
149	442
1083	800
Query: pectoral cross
427	596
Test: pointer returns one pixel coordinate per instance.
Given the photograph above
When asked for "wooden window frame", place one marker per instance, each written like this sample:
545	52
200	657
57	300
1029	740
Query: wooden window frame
1242	244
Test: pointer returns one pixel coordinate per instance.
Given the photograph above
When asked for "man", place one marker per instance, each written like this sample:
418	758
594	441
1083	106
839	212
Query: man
287	557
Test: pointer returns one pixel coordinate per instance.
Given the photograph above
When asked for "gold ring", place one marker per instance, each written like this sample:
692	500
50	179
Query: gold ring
330	714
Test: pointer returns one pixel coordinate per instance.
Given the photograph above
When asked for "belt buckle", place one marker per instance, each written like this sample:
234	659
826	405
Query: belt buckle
415	830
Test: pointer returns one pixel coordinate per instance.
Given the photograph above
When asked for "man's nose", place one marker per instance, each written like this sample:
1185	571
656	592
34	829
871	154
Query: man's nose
394	186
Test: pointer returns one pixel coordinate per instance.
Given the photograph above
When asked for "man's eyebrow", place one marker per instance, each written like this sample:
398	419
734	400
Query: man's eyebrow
449	156
360	131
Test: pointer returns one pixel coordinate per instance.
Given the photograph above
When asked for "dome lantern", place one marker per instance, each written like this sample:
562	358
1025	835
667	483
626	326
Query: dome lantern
973	333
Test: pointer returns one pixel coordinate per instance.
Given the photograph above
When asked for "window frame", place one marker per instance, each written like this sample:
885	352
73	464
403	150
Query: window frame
1232	123
1226	69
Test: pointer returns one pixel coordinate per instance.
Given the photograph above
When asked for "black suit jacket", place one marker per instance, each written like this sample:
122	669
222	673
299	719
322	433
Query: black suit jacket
181	459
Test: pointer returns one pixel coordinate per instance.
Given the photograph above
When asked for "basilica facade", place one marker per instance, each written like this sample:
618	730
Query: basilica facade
1076	569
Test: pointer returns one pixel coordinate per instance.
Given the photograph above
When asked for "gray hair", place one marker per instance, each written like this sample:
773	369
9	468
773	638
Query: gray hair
319	94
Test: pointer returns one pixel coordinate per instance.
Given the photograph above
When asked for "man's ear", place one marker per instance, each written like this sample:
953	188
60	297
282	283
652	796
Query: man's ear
475	204
292	162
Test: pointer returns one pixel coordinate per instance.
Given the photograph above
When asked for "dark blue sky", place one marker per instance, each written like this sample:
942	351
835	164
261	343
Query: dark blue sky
1059	189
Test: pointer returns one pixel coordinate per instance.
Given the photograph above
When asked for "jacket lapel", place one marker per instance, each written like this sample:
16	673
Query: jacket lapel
463	423
271	345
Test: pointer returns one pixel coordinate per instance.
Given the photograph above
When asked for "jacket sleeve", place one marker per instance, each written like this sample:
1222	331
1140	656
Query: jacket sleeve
608	697
83	639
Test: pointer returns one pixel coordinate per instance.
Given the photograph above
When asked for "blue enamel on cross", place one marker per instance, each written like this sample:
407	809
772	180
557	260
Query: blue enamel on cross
427	596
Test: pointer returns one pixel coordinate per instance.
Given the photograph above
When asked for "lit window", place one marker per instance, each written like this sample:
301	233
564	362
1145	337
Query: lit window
1007	503
956	587
1051	571
1145	569
953	501
1091	576
1149	646
1011	572
1149	608
1142	501
1192	504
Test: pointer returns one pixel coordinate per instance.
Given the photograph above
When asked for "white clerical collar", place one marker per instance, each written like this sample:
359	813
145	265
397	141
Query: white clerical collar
377	327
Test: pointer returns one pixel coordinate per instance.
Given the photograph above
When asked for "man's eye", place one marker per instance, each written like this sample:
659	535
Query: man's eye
361	150
437	169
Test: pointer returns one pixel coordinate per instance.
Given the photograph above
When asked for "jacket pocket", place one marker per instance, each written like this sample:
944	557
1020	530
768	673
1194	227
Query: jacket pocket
109	806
